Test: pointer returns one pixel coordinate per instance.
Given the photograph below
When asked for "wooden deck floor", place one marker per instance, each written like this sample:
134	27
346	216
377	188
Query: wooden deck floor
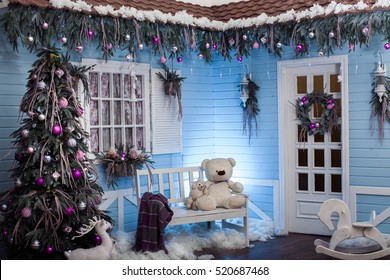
290	247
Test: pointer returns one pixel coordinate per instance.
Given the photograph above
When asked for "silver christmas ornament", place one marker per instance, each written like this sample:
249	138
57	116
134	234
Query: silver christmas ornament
47	158
3	207
127	37
41	85
55	175
18	182
72	142
30	150
25	133
311	35
69	128
82	205
41	117
35	245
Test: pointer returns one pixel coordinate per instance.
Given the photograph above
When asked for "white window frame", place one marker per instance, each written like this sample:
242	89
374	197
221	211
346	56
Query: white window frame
123	68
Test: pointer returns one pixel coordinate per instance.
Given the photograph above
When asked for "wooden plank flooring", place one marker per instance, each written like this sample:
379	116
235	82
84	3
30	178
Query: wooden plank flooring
290	247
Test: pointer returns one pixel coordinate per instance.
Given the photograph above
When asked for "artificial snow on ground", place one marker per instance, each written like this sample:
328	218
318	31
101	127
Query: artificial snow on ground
182	241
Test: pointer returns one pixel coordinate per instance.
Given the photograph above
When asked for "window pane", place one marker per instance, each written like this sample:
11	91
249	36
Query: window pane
140	138
94	138
105	80
319	182
117	85
128	114
93	84
338	106
129	136
317	110
117	112
302	157
94	109
139	113
127	86
106	112
138	88
106	139
301	84
318	83
303	182
319	158
335	158
336	183
334	83
118	136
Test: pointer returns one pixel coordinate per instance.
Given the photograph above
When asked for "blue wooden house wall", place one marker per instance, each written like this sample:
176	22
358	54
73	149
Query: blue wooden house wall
212	121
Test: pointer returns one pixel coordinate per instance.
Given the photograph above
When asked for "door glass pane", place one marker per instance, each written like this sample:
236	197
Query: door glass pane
334	83
336	183
319	158
129	136
336	134
302	137
106	139
140	138
301	84
302	157
105	81
318	110
335	158
318	138
318	83
337	101
139	117
303	182
128	114
138	86
94	109
319	182
118	136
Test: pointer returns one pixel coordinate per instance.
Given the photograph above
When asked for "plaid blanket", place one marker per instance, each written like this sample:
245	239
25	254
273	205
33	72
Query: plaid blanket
154	214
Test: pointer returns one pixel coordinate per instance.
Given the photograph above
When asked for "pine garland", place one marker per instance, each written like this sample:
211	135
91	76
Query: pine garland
379	108
251	109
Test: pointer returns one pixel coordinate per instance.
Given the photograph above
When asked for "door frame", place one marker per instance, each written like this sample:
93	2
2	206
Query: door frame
281	199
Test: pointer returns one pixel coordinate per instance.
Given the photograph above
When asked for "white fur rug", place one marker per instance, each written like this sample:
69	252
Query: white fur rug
182	241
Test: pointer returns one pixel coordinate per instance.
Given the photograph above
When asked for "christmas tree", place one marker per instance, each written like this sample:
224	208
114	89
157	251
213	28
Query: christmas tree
56	190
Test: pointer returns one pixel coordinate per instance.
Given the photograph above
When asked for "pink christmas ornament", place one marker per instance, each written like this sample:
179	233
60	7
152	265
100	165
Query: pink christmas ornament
239	58
163	59
79	155
76	174
231	41
141	47
256	45
59	72
299	47
179	59
155	40
387	46
4	233
263	40
207	45
49	250
45	25
64	39
26	212
30	150
214	46
200	56
56	130
79	48
98	199
63	102
244	37
90	33
133	154
108	46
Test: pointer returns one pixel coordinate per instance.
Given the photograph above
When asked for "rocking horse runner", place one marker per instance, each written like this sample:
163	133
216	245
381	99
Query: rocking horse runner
346	230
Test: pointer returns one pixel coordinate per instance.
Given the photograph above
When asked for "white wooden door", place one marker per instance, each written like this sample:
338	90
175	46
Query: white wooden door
313	165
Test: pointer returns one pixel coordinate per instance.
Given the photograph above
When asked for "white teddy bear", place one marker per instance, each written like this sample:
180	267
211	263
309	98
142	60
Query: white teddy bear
219	187
198	189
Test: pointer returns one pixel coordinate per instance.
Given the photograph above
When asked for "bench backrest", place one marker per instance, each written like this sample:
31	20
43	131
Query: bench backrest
173	183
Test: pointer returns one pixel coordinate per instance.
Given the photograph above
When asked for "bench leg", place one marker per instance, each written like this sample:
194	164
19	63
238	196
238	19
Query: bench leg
244	228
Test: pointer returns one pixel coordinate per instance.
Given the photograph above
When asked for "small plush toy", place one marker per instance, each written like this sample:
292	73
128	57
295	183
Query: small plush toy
198	189
220	188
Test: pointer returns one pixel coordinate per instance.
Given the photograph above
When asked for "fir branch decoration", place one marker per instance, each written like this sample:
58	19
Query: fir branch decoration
328	119
251	109
122	161
172	86
379	106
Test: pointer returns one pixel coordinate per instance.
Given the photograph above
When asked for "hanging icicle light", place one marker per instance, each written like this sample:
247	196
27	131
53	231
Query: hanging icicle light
380	80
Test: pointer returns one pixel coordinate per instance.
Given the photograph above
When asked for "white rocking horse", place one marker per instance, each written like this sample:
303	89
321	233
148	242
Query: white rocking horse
346	230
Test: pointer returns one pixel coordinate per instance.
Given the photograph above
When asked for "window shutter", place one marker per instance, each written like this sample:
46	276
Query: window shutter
166	128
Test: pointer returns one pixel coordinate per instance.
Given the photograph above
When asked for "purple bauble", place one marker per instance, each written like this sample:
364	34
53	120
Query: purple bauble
4	233
19	157
49	250
26	212
387	46
312	126
214	46
56	130
299	47
239	58
90	33
76	174
69	211
98	240
40	181
155	40
179	59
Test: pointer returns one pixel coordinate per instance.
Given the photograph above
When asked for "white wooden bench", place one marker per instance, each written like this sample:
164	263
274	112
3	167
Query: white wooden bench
175	184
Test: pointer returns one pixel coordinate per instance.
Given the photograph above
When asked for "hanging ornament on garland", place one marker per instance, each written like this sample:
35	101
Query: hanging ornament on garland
328	119
379	97
250	108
